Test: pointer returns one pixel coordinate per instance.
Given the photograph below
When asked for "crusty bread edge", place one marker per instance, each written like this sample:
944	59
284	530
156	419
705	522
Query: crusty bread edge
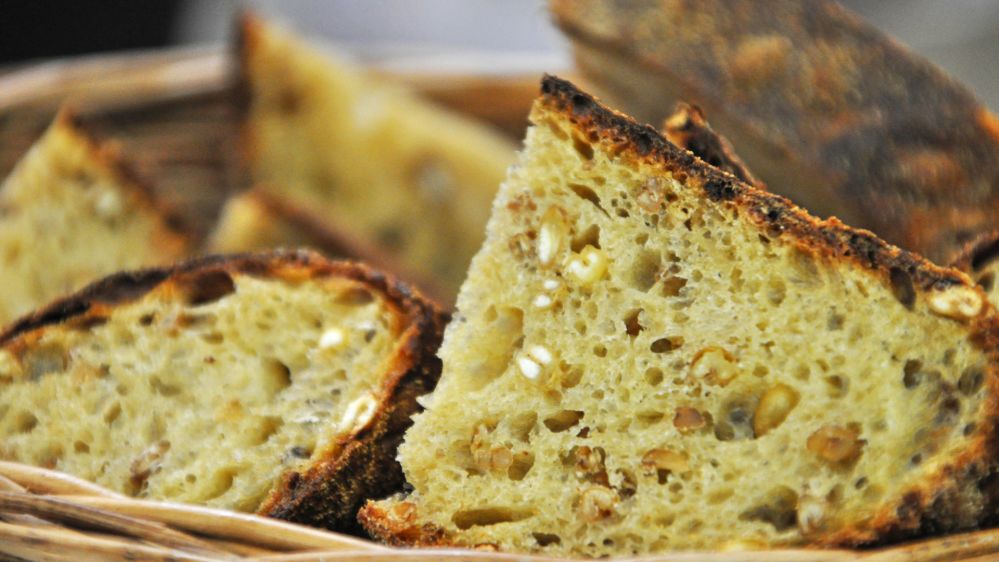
936	506
172	231
361	464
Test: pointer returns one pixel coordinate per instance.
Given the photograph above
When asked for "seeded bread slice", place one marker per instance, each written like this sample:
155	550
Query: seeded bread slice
278	383
648	355
408	177
255	220
71	212
825	108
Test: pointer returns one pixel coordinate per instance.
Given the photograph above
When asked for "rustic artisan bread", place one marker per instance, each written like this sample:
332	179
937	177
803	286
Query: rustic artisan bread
366	155
70	213
649	355
825	108
278	383
256	220
687	128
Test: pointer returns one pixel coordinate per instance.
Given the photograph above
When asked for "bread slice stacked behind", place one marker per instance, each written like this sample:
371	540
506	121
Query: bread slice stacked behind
277	383
648	355
366	155
70	213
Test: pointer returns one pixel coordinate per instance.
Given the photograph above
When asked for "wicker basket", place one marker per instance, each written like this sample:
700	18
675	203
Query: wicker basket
174	114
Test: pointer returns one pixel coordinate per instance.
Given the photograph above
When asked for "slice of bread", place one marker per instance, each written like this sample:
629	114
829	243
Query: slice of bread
255	220
278	383
825	108
367	155
649	355
72	212
687	128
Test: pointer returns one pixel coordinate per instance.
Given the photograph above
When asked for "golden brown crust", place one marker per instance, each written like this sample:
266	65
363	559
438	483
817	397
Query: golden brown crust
172	232
950	499
360	465
809	86
397	526
689	129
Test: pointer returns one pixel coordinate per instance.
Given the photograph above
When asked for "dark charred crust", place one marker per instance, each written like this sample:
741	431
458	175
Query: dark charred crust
978	253
687	128
357	466
828	237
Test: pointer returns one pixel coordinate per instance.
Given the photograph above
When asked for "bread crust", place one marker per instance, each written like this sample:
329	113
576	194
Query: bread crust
810	86
687	128
950	499
173	234
357	465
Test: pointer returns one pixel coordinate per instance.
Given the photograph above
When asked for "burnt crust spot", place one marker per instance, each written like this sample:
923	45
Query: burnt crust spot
720	190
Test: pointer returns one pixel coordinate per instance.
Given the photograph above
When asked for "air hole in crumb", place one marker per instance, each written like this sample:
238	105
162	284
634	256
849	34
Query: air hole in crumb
779	509
221	483
204	287
632	327
563	420
484	517
582	147
546	539
163	388
666	345
836	385
653	376
521	465
81	447
112	413
600	351
276	376
672	285
355	296
24	422
911	375
522	424
588	237
901	287
970	381
645	271
147	319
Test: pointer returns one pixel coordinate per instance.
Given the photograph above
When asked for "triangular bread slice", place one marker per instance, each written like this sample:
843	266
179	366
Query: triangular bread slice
366	154
71	212
256	220
278	383
649	355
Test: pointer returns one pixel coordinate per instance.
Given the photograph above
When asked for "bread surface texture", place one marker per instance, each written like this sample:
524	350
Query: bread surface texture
277	383
366	155
71	213
648	355
825	108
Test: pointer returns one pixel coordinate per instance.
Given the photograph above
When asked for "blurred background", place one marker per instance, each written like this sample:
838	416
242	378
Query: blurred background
962	36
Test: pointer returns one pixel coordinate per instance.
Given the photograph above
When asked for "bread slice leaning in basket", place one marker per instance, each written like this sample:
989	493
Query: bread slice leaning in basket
367	155
72	212
256	220
649	355
277	383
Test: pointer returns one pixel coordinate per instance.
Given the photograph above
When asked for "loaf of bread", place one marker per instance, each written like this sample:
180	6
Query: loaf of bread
687	128
72	212
366	155
649	355
277	383
825	108
256	220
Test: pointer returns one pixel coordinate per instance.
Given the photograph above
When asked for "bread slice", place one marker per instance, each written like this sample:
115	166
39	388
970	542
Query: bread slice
649	355
980	260
367	155
688	128
278	383
826	109
255	220
72	212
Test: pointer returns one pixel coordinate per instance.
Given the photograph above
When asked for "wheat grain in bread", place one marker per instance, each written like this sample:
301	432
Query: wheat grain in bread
278	383
367	155
648	355
72	212
256	220
825	108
